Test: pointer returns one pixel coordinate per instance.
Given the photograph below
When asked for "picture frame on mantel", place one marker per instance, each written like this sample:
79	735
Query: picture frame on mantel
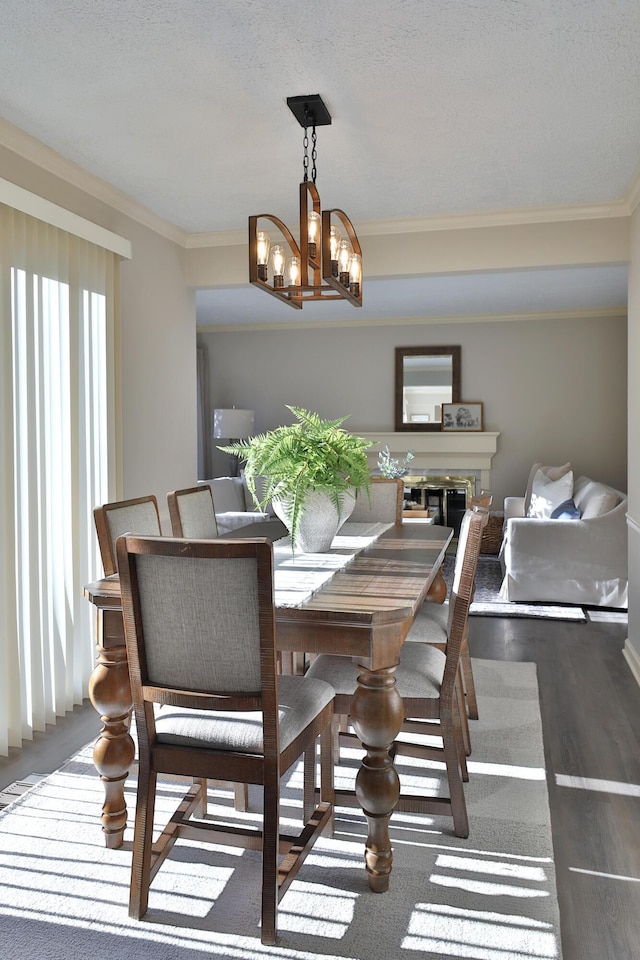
463	417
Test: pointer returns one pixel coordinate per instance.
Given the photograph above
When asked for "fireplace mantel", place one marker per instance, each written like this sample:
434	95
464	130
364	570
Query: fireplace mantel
439	453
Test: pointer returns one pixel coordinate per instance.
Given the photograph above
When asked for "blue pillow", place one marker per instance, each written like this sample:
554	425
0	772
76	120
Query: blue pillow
566	510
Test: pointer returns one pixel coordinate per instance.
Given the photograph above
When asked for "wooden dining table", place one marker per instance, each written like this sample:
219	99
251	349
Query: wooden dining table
358	600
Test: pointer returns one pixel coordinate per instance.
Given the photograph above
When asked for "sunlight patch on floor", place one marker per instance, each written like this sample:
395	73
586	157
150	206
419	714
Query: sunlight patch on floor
478	935
321	911
599	786
506	770
604	876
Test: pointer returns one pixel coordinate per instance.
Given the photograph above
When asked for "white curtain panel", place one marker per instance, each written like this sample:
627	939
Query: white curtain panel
58	302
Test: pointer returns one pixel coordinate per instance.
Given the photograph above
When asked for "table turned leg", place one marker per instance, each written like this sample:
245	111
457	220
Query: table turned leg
377	715
437	592
114	750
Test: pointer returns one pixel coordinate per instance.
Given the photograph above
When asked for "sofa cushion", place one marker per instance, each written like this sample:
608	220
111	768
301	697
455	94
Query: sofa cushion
554	473
567	510
228	494
547	494
234	519
595	499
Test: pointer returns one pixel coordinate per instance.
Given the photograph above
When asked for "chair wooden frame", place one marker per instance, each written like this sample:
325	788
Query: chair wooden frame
442	713
175	514
106	541
263	768
480	505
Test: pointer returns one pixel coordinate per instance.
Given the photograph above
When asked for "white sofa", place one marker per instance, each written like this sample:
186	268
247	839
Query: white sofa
233	504
582	561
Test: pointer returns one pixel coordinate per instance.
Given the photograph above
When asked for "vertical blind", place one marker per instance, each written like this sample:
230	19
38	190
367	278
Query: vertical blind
58	296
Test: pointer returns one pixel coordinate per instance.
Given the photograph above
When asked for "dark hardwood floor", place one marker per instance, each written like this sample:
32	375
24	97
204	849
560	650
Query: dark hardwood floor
590	706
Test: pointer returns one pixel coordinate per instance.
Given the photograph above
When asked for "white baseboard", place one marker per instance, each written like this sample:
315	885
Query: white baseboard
633	659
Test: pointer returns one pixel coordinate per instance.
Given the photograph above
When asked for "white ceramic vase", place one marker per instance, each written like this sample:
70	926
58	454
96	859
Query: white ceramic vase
319	520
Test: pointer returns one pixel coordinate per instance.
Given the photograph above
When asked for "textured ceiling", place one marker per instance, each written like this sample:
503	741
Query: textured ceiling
438	107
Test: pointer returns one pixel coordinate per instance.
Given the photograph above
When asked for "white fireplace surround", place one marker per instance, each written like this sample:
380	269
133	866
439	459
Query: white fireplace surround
439	453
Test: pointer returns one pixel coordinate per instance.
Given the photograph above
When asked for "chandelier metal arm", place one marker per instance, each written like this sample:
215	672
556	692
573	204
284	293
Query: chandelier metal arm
327	266
280	293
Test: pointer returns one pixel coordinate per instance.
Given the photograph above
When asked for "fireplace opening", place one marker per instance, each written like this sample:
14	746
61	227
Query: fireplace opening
443	499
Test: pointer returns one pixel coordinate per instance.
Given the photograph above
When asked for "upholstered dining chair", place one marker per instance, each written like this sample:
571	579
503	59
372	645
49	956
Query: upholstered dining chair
192	513
199	624
124	516
432	620
427	680
141	516
383	505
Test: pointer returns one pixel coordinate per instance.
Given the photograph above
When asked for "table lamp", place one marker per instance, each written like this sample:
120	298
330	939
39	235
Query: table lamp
230	425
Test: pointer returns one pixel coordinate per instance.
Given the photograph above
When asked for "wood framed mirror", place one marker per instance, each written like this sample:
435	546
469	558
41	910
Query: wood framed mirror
426	377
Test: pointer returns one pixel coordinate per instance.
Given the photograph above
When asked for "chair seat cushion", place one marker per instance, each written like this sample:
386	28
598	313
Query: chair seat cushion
419	672
300	699
430	624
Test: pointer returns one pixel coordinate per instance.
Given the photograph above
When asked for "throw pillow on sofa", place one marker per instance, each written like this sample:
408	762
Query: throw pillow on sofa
566	511
547	494
554	473
595	499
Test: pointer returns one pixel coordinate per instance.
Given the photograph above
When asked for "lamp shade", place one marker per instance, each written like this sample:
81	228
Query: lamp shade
233	424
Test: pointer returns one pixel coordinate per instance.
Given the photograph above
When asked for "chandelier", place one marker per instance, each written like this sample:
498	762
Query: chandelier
327	265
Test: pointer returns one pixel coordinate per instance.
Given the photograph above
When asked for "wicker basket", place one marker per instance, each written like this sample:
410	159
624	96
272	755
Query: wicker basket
492	536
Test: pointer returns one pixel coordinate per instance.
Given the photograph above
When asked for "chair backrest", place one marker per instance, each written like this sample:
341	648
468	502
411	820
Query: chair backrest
467	554
124	516
383	505
192	513
482	499
200	625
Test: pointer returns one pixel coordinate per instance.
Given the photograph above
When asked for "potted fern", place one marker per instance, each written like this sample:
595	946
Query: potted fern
310	471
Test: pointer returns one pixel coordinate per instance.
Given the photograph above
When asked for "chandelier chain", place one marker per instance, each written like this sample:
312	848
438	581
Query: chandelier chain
305	159
314	151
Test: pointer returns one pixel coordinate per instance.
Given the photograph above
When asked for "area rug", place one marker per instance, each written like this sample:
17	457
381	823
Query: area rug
63	895
488	602
535	611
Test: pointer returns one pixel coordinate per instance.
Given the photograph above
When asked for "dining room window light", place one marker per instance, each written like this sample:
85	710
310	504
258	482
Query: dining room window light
57	299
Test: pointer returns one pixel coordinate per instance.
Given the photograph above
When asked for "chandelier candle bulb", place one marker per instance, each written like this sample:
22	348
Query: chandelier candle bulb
277	261
355	274
313	223
345	252
294	271
264	245
334	243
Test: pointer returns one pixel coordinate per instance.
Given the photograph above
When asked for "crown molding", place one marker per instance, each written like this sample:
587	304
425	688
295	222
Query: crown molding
43	156
453	221
494	218
217	238
585	314
37	152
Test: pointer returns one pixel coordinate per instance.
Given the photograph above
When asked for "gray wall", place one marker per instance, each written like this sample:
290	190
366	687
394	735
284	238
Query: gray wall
555	389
